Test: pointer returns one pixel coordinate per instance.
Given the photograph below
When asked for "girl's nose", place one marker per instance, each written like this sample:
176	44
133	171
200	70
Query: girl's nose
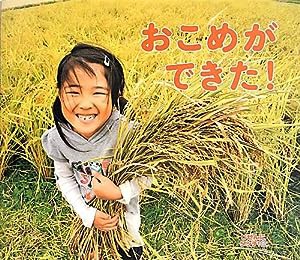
85	104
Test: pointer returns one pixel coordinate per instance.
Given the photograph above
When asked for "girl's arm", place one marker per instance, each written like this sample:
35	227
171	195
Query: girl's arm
68	185
131	189
105	189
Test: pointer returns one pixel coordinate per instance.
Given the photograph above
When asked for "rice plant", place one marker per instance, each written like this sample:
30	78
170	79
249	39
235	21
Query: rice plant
223	151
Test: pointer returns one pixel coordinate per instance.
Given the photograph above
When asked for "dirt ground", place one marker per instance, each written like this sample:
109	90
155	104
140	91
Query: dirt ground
8	4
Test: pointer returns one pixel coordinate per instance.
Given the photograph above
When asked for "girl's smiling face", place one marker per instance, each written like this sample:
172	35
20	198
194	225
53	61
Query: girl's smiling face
86	100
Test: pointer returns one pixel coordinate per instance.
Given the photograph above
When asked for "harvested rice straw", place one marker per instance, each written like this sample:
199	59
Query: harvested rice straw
183	139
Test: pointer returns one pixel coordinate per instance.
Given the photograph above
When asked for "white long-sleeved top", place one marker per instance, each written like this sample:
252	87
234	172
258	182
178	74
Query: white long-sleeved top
72	170
130	190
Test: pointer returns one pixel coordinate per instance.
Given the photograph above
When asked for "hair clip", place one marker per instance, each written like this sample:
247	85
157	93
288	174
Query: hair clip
106	61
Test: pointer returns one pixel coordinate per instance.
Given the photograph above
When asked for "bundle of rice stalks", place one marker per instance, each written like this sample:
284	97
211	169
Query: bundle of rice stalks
177	139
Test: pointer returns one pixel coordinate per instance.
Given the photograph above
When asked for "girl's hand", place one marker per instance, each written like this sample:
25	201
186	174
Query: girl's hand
104	188
105	222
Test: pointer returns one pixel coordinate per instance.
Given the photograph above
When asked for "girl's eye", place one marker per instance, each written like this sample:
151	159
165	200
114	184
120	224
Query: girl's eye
72	93
100	93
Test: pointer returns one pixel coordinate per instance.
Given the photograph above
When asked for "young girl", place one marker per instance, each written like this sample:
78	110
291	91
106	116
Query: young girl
86	112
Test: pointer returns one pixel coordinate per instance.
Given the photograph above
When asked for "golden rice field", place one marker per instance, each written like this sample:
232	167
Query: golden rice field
255	189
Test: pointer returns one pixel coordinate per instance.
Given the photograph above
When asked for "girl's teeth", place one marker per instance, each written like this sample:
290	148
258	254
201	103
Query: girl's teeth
85	118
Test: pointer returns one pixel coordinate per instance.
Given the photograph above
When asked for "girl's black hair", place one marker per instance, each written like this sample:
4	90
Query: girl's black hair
80	55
